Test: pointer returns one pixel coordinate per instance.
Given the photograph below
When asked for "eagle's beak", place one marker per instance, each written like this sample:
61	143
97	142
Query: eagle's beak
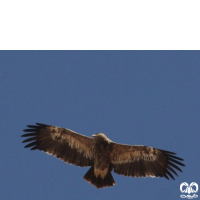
94	135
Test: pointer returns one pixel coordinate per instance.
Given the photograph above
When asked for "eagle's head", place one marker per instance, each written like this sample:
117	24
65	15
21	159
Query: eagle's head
100	137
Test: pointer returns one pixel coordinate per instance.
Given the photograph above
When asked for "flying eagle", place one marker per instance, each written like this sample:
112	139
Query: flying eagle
101	154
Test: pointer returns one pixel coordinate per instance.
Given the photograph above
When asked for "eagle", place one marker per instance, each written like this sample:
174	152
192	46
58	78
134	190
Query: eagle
102	155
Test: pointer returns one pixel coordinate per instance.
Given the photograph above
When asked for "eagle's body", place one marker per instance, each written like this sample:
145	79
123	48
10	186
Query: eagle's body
102	154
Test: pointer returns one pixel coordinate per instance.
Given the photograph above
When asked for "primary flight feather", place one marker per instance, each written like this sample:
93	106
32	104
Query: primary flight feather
102	154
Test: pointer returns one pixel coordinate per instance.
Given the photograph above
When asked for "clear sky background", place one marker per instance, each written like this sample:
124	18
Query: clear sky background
135	97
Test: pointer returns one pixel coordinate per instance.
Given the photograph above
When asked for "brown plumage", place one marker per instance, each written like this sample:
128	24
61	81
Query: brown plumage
102	154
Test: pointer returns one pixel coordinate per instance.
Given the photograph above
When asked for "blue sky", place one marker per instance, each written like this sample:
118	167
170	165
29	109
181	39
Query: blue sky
135	97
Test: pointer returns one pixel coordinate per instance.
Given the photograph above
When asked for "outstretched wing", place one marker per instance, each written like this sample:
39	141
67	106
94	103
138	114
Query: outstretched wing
142	161
60	142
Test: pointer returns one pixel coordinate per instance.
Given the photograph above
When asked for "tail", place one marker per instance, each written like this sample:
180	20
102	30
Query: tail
98	181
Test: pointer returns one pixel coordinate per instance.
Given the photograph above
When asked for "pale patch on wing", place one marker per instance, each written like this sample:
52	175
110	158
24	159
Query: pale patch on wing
76	141
129	154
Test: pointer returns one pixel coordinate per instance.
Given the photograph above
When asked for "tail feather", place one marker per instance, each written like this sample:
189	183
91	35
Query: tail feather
98	181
